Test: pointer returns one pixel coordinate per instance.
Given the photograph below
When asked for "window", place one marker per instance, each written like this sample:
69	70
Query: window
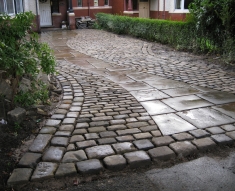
11	7
135	4
79	3
182	4
106	2
96	3
55	6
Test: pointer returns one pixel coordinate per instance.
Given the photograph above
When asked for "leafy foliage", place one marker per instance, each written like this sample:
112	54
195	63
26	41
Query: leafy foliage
38	94
215	21
19	47
20	51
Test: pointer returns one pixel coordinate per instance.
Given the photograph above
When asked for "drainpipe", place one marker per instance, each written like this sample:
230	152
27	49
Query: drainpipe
88	2
38	22
70	6
164	9
158	4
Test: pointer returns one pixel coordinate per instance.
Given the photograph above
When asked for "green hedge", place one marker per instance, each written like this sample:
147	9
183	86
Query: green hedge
180	35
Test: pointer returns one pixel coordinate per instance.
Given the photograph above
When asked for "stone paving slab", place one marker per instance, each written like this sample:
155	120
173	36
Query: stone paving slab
118	111
206	117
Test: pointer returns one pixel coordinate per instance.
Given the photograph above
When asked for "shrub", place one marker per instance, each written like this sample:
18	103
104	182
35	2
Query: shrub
20	52
177	34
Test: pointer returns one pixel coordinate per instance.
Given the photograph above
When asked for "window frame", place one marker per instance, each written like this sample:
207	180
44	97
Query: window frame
55	8
181	5
79	3
96	4
15	7
106	2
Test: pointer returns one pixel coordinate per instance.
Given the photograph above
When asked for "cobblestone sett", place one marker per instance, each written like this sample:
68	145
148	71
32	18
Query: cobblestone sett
66	128
65	169
144	144
61	111
116	127
204	144
156	133
137	159
64	106
199	133
29	160
40	143
146	135
125	138
162	141
103	118
79	131
96	129
120	116
123	147
76	138
99	123
105	141
67	121
81	125
19	176
72	114
215	130
92	166
222	139
89	136
99	151
53	154
130	120
44	170
149	128
161	153
107	134
58	116
231	134
60	141
115	162
70	147
48	130
74	156
128	131
229	127
85	144
184	148
117	122
137	124
53	123
182	137
63	133
81	120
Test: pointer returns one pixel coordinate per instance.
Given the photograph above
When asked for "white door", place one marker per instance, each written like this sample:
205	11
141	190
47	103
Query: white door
144	9
45	13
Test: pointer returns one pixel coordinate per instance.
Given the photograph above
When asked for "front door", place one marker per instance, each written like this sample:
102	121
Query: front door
45	13
144	8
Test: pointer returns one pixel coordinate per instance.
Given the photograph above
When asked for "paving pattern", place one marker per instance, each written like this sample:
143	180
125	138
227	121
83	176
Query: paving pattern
126	104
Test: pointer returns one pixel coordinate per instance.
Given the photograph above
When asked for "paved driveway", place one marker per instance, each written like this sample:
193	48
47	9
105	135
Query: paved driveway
128	102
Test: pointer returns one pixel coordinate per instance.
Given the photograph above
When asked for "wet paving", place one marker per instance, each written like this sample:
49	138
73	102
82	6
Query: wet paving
127	103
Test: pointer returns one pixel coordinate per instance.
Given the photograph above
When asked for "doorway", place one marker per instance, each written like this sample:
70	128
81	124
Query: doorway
45	13
144	8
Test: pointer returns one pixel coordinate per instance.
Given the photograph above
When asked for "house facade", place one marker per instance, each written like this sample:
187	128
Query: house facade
51	13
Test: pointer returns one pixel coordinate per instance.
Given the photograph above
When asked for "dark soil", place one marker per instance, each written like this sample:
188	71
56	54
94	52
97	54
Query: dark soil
15	139
12	137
